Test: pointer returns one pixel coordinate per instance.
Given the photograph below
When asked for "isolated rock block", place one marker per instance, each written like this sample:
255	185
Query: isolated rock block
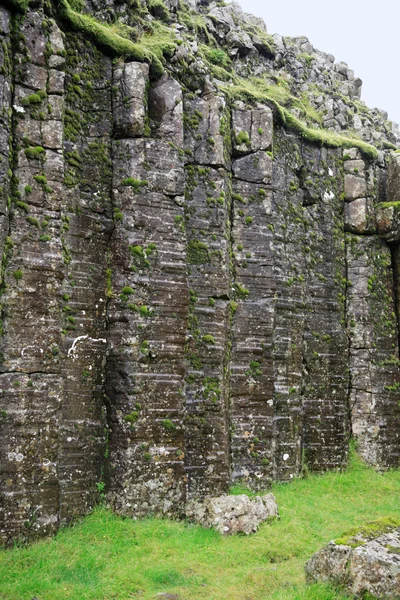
364	560
233	514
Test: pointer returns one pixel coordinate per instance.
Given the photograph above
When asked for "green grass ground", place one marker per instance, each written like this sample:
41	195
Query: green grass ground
109	558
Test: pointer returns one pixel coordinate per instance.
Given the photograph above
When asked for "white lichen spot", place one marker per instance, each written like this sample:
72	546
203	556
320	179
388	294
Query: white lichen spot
18	109
285	457
73	350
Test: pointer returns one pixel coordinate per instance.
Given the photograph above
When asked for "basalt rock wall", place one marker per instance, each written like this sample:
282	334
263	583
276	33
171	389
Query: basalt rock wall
193	293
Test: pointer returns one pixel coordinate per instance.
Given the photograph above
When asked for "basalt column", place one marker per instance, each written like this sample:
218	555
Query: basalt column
325	385
33	271
207	223
252	385
289	305
85	235
371	317
148	301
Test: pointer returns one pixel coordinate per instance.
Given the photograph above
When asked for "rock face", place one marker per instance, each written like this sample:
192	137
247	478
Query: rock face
199	284
364	561
233	514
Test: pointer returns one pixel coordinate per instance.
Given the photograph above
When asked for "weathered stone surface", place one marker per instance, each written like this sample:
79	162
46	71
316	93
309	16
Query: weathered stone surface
130	80
357	216
388	221
364	562
254	168
354	187
191	295
233	514
254	126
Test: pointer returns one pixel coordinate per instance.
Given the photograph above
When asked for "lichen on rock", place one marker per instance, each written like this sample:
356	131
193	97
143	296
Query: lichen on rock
200	270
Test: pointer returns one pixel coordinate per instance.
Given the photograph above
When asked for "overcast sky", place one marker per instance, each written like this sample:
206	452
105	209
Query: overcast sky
362	33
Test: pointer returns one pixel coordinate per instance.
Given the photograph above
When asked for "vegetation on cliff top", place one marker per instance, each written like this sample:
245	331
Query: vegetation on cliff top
106	556
159	43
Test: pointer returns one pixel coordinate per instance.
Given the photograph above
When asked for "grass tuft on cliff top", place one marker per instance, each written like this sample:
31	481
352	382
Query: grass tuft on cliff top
243	89
111	38
106	556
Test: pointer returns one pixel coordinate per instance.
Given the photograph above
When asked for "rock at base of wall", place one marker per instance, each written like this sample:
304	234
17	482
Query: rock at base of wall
233	514
364	560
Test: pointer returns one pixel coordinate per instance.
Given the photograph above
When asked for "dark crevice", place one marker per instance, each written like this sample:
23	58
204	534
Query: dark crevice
395	256
349	344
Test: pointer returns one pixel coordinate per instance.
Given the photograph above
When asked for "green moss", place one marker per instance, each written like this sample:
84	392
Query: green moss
127	290
137	251
388	205
168	424
18	274
367	532
40	179
217	56
18	5
111	38
35	98
197	253
34	152
23	206
277	97
239	198
242	138
158	9
241	291
33	221
118	215
28	190
132	417
45	238
208	339
135	183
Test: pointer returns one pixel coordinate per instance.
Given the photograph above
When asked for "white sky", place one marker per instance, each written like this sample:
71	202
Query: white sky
362	33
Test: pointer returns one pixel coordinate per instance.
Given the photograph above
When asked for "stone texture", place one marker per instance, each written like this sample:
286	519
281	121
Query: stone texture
191	294
129	82
233	514
365	563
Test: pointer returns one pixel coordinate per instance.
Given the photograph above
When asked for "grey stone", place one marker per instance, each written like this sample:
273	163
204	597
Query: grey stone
363	563
256	168
356	216
233	514
130	82
354	187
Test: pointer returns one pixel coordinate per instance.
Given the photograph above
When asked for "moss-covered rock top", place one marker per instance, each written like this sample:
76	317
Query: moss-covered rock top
358	536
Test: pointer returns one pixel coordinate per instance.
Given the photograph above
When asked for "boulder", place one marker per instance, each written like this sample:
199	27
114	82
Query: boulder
233	514
364	560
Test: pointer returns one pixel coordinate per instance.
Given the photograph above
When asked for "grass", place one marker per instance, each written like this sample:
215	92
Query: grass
277	96
107	557
111	39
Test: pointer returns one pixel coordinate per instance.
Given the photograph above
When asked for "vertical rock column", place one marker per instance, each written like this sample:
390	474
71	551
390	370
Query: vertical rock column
371	321
289	306
5	122
207	220
9	522
252	370
85	234
34	270
325	349
148	304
